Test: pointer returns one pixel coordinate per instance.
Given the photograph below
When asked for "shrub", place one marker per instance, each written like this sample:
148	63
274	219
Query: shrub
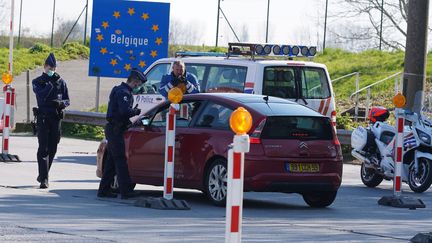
39	47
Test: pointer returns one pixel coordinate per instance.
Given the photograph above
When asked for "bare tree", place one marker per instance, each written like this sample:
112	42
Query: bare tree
184	34
393	26
244	33
63	27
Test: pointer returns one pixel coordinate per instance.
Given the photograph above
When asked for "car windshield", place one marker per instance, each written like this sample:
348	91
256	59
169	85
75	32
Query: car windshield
296	82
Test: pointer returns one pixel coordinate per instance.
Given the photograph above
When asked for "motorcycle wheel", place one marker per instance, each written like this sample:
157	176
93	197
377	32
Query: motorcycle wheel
422	180
369	176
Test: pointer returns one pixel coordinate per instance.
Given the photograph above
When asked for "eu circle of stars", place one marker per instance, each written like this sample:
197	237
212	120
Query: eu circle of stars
126	35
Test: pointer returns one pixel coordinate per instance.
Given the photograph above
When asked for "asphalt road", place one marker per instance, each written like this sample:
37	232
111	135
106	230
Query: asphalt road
70	211
82	88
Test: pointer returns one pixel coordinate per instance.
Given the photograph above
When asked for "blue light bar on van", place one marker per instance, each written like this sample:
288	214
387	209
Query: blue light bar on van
199	54
253	49
285	50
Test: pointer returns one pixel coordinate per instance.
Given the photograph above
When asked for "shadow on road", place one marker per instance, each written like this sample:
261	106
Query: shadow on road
85	160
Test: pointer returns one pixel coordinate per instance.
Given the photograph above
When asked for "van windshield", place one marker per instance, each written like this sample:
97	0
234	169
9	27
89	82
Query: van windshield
296	82
218	78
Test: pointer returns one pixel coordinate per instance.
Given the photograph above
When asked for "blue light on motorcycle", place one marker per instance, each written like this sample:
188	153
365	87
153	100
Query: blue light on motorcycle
424	137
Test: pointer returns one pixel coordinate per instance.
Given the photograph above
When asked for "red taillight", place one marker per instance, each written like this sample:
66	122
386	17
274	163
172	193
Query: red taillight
333	118
254	138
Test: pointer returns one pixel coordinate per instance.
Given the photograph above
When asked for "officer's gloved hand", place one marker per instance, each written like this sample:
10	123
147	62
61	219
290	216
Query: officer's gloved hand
175	81
182	79
59	104
137	111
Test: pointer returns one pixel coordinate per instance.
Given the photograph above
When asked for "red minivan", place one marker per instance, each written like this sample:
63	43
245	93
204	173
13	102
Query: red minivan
293	149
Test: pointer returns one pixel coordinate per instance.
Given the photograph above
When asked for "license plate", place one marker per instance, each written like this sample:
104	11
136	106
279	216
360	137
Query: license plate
302	167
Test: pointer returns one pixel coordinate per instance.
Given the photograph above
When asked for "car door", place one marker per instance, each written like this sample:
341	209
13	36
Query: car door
147	145
209	135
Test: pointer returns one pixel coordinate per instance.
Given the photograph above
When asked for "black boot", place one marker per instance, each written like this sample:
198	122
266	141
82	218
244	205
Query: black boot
44	184
107	194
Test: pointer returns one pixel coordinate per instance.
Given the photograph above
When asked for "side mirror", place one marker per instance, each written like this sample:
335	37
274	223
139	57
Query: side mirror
145	121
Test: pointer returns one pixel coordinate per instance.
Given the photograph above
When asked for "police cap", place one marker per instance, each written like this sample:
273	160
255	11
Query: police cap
51	60
137	74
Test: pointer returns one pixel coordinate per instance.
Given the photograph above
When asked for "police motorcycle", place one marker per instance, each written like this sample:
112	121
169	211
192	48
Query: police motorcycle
374	146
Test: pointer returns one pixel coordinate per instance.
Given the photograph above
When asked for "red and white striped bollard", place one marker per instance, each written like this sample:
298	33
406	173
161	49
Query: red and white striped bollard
397	182
240	122
169	151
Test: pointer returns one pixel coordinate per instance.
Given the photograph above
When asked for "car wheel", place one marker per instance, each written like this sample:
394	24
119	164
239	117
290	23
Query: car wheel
319	199
216	182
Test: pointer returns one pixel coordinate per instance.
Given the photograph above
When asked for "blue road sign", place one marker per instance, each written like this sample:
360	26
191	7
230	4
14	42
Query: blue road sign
127	34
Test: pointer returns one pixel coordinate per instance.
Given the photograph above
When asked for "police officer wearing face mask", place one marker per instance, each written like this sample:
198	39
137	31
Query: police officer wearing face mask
118	114
52	98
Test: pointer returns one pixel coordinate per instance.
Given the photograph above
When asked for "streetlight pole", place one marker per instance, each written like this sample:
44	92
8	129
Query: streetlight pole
381	27
217	23
325	25
52	27
268	11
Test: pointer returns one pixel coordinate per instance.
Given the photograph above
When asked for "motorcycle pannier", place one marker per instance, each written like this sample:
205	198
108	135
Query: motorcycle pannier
359	138
378	113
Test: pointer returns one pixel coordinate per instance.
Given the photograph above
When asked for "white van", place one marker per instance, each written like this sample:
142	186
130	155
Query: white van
247	68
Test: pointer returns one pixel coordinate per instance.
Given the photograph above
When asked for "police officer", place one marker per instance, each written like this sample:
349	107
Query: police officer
179	78
52	97
118	114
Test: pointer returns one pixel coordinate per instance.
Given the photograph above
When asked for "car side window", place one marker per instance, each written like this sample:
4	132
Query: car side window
279	82
314	84
184	115
155	74
214	116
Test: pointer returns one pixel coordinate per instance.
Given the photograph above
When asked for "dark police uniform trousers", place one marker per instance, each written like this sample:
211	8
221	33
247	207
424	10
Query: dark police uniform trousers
48	125
116	161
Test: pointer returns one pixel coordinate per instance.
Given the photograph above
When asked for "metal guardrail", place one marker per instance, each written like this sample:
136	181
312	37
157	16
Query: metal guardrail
344	136
83	117
99	119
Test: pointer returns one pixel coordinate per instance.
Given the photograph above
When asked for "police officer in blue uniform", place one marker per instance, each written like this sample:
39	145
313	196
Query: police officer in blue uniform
118	114
179	78
52	98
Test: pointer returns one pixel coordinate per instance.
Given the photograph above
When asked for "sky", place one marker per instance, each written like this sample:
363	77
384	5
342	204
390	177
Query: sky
290	21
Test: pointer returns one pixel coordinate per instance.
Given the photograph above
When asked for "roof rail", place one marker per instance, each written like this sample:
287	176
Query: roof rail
199	54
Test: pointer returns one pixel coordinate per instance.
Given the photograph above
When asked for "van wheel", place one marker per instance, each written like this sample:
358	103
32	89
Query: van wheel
319	199
215	183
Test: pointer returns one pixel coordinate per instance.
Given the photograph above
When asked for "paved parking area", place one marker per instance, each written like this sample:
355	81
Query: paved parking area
70	211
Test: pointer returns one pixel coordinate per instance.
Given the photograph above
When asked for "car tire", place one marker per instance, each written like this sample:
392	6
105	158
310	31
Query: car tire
319	199
215	183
